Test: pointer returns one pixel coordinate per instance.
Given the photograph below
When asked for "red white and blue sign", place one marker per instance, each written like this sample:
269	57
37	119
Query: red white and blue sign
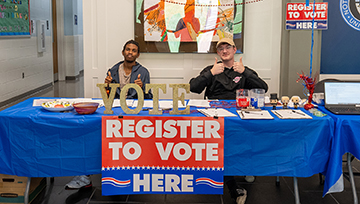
162	155
302	17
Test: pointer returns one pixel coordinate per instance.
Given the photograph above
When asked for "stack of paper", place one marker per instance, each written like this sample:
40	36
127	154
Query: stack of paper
291	114
218	112
199	103
163	104
116	103
264	114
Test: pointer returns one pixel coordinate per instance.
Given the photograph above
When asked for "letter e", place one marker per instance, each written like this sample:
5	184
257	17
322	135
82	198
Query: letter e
186	183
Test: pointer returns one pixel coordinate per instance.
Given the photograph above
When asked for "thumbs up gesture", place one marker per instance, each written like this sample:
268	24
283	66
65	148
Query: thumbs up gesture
218	68
138	81
108	78
239	66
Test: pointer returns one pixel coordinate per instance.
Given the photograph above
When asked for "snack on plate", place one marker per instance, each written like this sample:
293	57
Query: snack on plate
57	106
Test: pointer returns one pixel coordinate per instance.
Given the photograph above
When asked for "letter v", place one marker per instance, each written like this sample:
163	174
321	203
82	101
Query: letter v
164	154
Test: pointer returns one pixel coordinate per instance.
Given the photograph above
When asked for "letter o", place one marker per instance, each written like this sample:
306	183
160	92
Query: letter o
186	155
296	14
344	6
126	151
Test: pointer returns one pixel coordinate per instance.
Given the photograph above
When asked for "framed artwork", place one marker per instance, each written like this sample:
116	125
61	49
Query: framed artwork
187	26
14	18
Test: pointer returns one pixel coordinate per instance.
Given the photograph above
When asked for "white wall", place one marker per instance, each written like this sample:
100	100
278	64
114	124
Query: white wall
296	55
19	55
109	24
70	38
73	54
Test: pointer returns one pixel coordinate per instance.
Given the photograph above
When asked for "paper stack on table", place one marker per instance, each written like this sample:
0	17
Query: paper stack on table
199	103
162	104
218	112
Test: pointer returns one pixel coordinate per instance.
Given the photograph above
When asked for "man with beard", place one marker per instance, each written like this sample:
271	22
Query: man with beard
129	71
124	72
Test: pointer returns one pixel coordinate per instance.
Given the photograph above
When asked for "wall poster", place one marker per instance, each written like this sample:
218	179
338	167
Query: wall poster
14	18
187	26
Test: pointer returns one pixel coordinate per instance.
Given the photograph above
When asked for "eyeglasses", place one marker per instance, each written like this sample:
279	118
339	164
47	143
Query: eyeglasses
228	47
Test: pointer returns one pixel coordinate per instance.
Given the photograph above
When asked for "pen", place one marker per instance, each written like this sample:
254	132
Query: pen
277	114
253	113
298	113
242	114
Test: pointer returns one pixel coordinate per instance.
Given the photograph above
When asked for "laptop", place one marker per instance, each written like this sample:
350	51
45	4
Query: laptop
342	97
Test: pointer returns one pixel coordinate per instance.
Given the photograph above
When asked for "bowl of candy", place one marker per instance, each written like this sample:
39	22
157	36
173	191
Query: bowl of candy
85	107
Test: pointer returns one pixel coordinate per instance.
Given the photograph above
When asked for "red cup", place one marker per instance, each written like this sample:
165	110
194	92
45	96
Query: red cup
243	102
242	98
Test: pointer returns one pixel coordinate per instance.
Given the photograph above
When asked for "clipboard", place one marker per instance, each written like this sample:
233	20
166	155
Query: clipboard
264	114
291	114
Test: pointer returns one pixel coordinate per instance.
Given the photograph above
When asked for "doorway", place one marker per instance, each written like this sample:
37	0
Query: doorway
54	42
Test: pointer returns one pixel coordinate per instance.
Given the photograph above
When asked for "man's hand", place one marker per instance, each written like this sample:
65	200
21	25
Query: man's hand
218	68
108	78
239	66
138	81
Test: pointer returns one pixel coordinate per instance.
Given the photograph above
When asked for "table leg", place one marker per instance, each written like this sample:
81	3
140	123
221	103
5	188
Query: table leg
26	194
351	175
296	191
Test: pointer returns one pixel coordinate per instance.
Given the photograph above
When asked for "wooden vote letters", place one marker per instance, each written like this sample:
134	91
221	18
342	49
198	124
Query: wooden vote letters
109	99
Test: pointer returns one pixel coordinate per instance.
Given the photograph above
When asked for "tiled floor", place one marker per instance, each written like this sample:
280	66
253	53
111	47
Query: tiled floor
263	191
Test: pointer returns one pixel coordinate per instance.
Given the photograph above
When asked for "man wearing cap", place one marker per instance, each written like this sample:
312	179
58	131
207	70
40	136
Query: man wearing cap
222	79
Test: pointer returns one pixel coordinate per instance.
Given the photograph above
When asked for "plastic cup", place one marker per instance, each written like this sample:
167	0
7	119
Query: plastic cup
242	98
257	98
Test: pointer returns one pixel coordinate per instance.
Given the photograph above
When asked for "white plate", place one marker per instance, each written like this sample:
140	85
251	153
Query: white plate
59	109
50	106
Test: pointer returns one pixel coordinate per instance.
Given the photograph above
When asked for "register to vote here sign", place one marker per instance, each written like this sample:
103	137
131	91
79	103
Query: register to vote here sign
162	155
300	17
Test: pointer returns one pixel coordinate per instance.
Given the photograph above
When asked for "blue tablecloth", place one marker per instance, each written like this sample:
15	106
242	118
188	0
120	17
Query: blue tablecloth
39	143
346	139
